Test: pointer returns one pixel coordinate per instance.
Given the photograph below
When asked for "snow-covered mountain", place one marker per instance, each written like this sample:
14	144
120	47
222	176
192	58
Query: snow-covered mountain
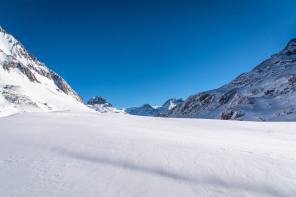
28	85
168	105
148	110
265	93
143	110
100	104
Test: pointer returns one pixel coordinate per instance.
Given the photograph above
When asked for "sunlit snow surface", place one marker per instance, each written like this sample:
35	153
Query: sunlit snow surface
93	154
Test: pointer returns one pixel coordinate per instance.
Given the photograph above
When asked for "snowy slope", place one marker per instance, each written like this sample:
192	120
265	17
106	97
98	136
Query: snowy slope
27	85
265	93
91	154
99	104
148	110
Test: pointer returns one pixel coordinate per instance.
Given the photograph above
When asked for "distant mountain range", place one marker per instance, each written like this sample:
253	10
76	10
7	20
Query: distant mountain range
148	110
266	93
98	103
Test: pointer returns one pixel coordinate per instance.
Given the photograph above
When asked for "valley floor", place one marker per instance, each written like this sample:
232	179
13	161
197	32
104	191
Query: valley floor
91	154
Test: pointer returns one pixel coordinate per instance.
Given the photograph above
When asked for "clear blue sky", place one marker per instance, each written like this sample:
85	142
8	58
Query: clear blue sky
136	52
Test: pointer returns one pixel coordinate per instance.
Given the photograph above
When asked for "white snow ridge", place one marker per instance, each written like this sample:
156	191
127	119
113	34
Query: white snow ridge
27	85
74	151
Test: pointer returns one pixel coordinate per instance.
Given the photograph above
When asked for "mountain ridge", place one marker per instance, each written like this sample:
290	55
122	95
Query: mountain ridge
267	92
149	110
27	84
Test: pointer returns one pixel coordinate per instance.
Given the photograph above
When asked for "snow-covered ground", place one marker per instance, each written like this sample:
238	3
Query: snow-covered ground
93	154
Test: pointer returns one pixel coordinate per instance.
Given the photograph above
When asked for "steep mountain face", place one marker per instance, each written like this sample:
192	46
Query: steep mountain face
265	93
27	84
148	110
100	104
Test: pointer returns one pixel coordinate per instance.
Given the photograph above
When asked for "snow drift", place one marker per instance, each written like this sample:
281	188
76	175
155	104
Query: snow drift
95	154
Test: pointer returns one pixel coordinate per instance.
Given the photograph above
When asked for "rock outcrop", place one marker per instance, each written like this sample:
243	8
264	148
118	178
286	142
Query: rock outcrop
98	103
266	93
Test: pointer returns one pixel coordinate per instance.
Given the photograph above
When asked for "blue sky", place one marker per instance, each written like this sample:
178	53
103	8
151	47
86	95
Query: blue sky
136	52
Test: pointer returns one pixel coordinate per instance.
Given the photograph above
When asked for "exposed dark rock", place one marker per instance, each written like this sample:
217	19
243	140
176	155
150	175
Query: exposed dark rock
226	97
231	114
258	93
12	94
62	84
98	100
269	92
32	68
26	71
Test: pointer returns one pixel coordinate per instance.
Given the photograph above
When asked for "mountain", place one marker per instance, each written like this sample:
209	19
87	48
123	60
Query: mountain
27	85
148	110
100	104
144	110
265	93
168	105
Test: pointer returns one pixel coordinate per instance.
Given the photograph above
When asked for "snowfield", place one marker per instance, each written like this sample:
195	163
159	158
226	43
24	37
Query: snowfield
92	154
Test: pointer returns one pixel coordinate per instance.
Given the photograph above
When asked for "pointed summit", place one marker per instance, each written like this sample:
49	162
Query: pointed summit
97	100
99	104
291	45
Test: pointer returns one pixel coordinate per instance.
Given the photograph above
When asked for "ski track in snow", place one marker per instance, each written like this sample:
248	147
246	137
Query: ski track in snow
92	154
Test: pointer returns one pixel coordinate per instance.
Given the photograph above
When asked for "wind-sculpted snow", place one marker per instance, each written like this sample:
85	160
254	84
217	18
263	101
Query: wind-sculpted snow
95	154
266	93
43	87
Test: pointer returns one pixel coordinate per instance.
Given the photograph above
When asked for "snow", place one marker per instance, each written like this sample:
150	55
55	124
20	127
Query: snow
46	92
149	110
105	108
94	154
4	43
99	104
266	93
20	94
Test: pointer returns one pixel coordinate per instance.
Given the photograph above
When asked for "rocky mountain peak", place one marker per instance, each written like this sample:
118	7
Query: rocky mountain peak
146	106
291	45
97	100
99	104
